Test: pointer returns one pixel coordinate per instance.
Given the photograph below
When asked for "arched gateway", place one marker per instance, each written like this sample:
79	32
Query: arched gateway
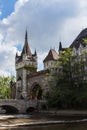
36	91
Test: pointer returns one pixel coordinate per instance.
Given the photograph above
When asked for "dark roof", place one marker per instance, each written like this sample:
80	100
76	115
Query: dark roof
52	55
35	53
60	46
36	74
26	50
61	49
79	40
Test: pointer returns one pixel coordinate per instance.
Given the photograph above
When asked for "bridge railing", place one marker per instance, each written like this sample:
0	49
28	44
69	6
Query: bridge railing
19	102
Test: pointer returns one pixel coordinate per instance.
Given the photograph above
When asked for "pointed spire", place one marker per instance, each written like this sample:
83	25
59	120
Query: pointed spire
17	54
60	46
35	52
26	50
26	36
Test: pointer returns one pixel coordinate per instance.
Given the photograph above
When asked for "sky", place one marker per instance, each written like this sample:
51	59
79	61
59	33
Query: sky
47	21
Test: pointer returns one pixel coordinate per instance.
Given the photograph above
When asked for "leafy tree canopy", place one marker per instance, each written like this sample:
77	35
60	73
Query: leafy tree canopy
5	86
70	91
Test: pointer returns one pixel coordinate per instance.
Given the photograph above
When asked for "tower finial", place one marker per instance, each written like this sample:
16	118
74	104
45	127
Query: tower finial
26	35
35	52
17	54
26	49
60	46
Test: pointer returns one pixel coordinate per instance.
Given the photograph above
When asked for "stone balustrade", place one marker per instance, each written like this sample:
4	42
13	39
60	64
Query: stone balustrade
20	105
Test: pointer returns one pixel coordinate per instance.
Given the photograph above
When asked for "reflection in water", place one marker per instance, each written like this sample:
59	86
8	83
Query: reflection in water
7	121
73	126
4	116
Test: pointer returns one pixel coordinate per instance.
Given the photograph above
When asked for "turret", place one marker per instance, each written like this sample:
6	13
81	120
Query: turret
35	55
25	64
50	59
60	47
26	49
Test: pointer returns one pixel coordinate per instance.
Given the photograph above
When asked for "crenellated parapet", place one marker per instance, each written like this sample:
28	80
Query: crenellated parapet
26	64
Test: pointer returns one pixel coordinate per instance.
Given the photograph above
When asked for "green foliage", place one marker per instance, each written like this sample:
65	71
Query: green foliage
31	68
69	92
68	97
85	40
5	87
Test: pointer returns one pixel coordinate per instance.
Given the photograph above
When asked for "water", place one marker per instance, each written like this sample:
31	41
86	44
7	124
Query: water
73	126
10	122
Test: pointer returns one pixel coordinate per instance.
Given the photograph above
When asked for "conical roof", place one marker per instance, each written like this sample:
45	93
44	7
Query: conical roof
79	40
52	55
26	49
60	46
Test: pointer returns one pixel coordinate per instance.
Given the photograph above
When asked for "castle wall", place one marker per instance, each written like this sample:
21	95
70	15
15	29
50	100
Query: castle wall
44	81
19	84
26	64
49	64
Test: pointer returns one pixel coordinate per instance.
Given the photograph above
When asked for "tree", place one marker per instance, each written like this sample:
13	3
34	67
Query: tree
5	87
65	63
70	90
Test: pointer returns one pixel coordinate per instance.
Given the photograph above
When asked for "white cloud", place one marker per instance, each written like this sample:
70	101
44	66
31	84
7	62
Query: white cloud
41	58
46	21
0	13
7	60
19	4
4	73
71	28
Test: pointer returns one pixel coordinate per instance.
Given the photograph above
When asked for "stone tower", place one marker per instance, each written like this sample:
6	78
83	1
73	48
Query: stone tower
50	60
25	64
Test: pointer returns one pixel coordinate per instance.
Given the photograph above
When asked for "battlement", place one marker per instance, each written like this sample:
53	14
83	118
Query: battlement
25	64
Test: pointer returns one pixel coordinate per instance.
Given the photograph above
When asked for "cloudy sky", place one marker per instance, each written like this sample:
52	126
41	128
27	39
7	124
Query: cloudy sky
47	22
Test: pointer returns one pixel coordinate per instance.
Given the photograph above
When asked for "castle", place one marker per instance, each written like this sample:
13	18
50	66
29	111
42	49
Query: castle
30	83
33	84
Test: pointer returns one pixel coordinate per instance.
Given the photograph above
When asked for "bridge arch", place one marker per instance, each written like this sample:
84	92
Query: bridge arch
36	91
30	109
10	109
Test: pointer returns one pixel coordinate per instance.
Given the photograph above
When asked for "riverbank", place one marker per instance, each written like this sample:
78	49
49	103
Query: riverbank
43	118
65	112
63	115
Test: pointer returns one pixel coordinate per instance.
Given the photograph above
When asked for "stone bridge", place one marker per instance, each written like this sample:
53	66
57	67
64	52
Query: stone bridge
18	106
